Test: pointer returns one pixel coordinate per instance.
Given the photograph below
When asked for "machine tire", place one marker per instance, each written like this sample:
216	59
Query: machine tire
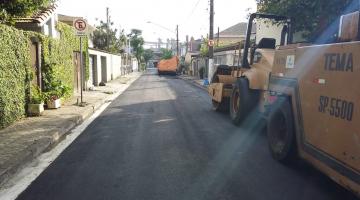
243	100
221	107
281	131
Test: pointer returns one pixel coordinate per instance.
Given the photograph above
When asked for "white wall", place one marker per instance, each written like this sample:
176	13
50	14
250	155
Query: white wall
113	65
135	65
89	83
226	58
49	27
116	66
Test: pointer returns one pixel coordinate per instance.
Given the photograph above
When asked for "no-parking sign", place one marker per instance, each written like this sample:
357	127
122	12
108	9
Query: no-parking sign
80	26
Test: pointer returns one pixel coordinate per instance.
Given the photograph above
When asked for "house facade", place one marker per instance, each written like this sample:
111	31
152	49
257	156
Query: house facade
233	34
228	55
103	66
43	22
268	29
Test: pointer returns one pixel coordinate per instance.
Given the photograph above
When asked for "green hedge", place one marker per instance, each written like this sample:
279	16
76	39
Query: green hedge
14	74
57	57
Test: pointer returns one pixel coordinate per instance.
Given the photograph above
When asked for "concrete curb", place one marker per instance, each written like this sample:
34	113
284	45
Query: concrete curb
57	134
39	146
194	83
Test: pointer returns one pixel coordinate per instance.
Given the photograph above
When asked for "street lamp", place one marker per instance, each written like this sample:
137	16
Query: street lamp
177	34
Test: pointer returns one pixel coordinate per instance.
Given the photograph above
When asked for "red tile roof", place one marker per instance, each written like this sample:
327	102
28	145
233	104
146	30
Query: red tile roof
39	17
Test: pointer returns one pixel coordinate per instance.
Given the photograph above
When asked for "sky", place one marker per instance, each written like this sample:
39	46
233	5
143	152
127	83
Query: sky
192	16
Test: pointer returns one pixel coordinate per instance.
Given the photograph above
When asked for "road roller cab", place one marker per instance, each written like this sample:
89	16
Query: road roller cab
240	89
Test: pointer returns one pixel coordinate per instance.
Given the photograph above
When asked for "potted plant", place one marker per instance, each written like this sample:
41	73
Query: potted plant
53	100
35	106
55	93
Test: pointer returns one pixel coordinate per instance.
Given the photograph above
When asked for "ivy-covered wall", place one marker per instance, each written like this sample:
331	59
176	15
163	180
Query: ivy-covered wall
14	74
57	54
16	70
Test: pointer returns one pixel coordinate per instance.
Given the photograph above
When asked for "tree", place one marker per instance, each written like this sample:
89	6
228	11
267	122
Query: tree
166	54
148	55
312	17
105	38
137	42
123	38
204	48
21	8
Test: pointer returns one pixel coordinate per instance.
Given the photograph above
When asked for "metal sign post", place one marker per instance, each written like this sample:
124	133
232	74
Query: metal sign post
81	72
80	26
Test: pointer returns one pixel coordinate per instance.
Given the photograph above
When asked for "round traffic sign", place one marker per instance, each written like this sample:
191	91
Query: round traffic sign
80	25
211	43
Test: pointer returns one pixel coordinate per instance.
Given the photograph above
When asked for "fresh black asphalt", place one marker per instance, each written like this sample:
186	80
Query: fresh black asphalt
160	140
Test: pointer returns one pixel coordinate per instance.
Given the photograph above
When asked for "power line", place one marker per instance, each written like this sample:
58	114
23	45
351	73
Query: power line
192	11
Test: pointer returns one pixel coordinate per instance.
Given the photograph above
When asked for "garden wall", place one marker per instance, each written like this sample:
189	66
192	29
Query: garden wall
14	74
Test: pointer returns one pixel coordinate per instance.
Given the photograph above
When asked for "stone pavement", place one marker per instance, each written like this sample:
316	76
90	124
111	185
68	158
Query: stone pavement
25	140
195	81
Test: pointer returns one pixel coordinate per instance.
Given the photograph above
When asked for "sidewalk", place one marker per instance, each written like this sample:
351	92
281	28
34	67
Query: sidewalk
195	81
25	140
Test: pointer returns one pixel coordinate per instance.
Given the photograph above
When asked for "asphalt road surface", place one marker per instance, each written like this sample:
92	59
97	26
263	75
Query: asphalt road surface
160	140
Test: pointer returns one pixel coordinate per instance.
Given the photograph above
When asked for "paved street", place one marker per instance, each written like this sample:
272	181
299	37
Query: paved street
160	140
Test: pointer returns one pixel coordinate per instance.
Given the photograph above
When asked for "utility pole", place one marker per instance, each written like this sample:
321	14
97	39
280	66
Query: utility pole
211	39
218	37
187	44
129	54
177	40
108	28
